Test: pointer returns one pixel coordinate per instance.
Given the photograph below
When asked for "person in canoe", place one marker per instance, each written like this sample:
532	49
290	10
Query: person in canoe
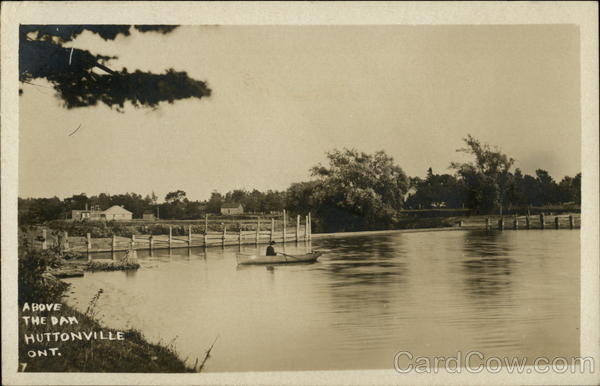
271	249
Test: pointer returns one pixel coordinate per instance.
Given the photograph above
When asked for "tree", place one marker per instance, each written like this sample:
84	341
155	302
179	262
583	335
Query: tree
436	190
214	203
300	197
71	71
253	201
273	201
153	198
193	210
576	186
102	200
358	190
236	196
176	196
77	201
40	210
487	179
547	188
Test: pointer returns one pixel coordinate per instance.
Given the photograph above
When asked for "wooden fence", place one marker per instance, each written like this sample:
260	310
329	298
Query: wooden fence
263	232
541	221
266	231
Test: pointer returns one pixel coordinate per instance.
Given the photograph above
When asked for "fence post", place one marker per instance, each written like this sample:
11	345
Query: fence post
113	244
306	227
44	237
272	229
556	222
284	226
516	223
257	230
297	228
89	246
488	223
66	241
151	241
190	236
224	234
527	222
542	225
132	241
460	223
571	223
170	235
501	223
240	234
205	230
309	226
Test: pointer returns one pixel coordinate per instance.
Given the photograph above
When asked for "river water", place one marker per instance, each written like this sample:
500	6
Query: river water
511	293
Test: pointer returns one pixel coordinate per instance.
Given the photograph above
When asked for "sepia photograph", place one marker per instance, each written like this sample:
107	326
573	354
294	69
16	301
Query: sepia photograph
270	198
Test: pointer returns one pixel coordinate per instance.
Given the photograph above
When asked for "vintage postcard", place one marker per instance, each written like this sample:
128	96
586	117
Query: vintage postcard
300	193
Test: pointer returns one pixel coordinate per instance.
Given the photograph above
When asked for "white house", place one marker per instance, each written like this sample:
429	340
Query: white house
117	212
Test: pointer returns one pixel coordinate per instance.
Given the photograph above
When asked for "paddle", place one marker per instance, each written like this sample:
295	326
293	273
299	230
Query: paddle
292	256
286	255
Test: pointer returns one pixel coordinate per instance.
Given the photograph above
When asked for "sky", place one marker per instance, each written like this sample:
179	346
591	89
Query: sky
285	95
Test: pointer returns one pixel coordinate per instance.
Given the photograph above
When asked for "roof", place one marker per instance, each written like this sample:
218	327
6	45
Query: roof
116	209
231	205
148	212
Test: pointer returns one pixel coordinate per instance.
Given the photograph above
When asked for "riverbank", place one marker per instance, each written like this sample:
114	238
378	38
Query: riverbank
384	232
55	337
133	354
458	223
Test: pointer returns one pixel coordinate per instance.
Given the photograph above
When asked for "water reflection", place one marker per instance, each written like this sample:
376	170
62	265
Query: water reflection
364	261
487	263
130	273
512	293
364	276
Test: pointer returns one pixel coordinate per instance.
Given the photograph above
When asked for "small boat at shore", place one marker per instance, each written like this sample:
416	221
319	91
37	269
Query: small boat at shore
281	258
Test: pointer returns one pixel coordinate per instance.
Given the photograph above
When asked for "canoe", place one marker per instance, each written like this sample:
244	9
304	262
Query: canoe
249	259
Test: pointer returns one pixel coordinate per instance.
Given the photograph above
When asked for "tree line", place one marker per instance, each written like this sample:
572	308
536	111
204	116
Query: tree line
353	191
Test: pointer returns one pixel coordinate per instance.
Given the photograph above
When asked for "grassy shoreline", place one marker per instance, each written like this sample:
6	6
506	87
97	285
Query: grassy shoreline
60	338
134	354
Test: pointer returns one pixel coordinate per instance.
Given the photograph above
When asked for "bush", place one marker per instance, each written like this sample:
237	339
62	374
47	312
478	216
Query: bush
35	283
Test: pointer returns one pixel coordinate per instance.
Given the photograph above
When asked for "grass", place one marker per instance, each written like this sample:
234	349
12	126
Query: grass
102	265
134	354
76	267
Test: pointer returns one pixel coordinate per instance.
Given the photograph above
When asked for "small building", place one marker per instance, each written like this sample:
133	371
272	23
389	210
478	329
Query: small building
118	213
232	208
115	212
148	216
86	214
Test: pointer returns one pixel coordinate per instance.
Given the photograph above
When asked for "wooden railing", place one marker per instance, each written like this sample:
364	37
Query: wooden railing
298	232
541	221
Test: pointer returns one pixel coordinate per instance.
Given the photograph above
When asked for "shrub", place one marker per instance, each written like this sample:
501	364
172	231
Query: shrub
35	283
